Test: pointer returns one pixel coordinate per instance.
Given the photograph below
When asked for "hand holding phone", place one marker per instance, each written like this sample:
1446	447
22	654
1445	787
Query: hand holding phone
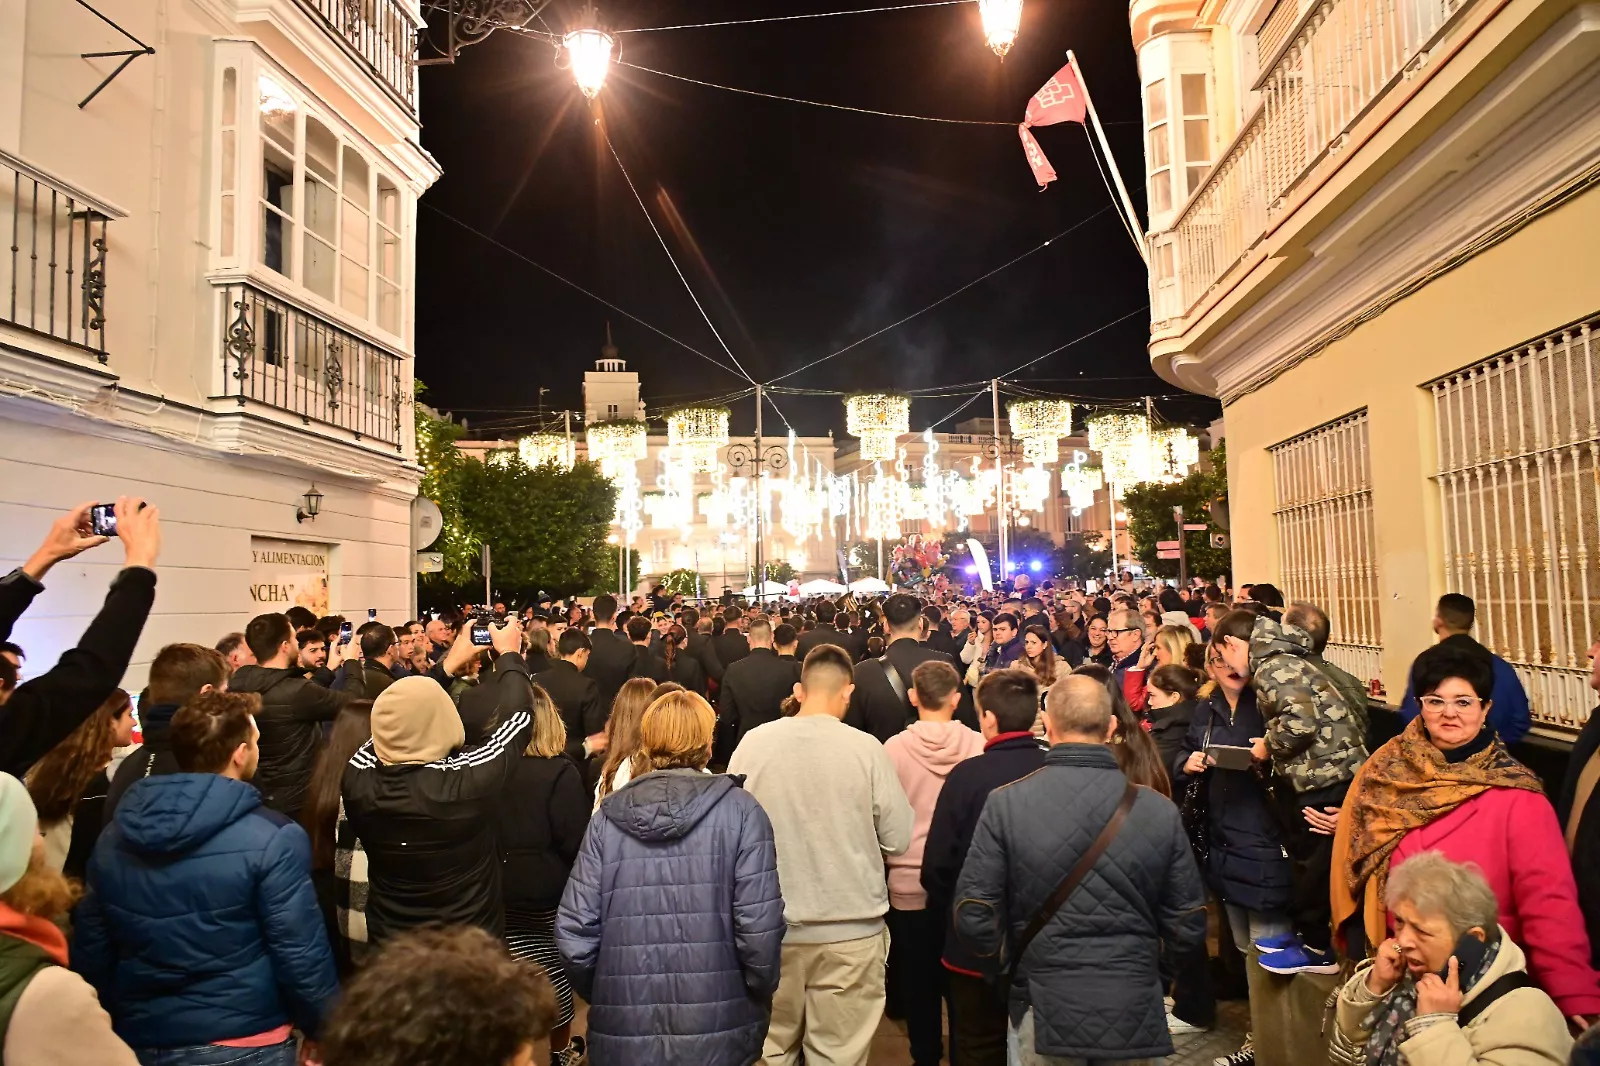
1441	995
1230	757
345	632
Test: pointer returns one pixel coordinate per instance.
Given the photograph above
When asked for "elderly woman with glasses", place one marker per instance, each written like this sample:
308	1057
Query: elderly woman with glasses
1447	784
1451	988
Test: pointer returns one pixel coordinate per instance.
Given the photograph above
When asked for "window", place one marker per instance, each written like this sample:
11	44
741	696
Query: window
659	547
1196	130
1158	154
1519	461
329	219
611	410
1325	536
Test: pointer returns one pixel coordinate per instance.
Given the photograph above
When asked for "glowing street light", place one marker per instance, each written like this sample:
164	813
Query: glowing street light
589	54
1001	20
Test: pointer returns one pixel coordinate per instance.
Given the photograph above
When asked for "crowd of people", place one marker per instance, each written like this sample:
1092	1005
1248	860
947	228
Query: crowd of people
747	833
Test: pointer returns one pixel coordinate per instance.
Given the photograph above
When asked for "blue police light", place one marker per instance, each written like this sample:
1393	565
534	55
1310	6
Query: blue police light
1035	566
972	569
1010	566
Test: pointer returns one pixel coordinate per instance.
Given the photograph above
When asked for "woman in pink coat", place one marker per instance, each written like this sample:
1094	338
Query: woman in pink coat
1447	784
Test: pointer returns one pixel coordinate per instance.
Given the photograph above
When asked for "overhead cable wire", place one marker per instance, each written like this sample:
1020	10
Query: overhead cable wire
573	284
1075	340
1138	242
794	18
670	257
818	103
958	409
943	299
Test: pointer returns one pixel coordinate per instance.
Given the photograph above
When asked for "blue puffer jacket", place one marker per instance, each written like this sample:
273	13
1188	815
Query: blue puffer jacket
200	923
672	923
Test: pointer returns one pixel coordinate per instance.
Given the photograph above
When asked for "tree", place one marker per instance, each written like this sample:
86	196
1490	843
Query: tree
781	572
607	581
684	582
1149	505
443	466
546	528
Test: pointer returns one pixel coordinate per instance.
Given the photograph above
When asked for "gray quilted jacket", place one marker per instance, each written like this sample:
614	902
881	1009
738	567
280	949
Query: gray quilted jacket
1091	975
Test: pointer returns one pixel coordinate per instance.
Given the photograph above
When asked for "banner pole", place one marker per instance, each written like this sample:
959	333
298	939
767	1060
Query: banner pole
1111	162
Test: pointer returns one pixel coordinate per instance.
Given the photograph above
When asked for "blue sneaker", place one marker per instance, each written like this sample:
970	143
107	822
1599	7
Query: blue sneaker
1276	942
1297	958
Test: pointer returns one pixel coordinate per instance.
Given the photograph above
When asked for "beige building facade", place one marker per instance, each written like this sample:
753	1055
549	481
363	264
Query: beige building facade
1373	236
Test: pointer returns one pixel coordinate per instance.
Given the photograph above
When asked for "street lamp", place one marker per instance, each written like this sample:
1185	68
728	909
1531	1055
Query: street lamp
1001	20
589	51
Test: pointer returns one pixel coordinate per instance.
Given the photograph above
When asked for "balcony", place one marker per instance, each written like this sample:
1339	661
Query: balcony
287	358
382	35
1336	60
53	275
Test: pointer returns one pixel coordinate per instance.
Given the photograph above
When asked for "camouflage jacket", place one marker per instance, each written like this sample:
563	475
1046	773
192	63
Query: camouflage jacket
1315	737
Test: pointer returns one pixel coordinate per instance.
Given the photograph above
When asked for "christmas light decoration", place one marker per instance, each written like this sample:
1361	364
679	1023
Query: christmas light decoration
540	449
1123	441
696	434
1040	425
1001	20
1172	452
879	420
617	445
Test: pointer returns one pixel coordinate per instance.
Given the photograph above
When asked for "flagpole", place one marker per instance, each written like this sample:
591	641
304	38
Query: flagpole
1111	161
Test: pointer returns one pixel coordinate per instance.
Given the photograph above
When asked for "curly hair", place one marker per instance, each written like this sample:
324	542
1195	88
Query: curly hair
57	781
439	997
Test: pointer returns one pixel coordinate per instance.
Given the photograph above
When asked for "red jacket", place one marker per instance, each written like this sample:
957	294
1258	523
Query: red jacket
1513	837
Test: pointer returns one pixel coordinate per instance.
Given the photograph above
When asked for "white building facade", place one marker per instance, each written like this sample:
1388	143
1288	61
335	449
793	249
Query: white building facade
209	302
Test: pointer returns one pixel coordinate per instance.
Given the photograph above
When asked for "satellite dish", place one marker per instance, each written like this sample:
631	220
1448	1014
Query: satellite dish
427	522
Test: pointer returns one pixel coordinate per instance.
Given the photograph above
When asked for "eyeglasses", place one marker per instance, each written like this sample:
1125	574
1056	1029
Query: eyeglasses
1461	704
1114	632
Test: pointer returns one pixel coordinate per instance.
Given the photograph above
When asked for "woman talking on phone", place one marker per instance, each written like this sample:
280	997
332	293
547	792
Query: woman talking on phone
1448	784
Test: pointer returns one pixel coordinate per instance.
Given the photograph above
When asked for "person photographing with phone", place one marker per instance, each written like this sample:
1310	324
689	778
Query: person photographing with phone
1451	987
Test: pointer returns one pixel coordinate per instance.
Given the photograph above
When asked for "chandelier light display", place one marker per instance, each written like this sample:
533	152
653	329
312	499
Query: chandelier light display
1172	452
696	434
617	445
1123	441
879	420
588	51
1080	482
1040	425
541	449
1001	20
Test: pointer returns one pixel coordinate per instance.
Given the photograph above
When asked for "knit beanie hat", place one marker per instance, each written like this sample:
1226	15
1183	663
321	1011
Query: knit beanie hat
413	720
19	826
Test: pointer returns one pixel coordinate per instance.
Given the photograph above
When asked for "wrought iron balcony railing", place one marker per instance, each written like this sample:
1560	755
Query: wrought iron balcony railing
288	358
1338	59
383	34
53	275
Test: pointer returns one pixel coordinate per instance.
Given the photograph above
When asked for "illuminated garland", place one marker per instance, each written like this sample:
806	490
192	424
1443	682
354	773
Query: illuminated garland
1172	452
1123	441
697	433
540	449
878	419
1040	424
617	444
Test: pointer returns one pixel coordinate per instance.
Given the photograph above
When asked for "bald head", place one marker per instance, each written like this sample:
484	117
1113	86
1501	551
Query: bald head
1078	710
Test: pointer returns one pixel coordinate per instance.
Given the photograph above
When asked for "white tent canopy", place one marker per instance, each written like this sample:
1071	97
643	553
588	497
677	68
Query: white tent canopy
868	584
822	587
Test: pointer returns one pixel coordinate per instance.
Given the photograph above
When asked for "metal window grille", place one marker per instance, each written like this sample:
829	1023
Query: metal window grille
1519	461
1325	536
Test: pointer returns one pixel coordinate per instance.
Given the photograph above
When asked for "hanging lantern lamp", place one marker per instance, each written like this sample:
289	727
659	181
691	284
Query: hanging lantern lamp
1123	441
1001	20
541	449
1172	452
697	433
616	445
879	420
1040	425
588	50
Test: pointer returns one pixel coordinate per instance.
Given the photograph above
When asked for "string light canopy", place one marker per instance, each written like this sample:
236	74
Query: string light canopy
1080	482
588	51
1040	424
879	419
697	433
617	445
1123	441
542	449
1001	20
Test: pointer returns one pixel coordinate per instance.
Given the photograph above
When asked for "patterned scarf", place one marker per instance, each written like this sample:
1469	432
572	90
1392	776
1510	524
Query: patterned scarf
1406	784
1387	1021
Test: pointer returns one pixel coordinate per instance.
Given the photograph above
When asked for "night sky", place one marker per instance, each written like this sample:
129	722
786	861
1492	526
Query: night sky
801	229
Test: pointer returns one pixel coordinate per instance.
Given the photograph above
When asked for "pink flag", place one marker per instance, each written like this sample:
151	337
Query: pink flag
1061	99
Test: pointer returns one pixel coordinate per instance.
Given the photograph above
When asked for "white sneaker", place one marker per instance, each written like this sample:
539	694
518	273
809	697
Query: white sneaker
1176	1026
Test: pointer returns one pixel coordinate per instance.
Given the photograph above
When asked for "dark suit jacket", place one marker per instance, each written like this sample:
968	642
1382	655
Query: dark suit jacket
730	647
647	664
754	688
940	640
699	646
854	643
874	707
610	664
578	698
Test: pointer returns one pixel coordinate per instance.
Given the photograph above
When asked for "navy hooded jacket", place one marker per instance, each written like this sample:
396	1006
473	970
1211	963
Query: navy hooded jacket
671	925
200	923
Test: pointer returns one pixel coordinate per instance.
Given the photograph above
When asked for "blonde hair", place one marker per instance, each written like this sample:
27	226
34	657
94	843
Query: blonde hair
42	892
1175	641
675	733
549	737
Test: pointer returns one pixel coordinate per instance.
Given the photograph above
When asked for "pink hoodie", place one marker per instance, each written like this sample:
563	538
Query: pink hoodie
923	755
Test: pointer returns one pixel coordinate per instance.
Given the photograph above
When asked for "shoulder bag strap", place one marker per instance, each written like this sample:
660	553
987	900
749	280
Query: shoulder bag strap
896	682
1506	982
1075	876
